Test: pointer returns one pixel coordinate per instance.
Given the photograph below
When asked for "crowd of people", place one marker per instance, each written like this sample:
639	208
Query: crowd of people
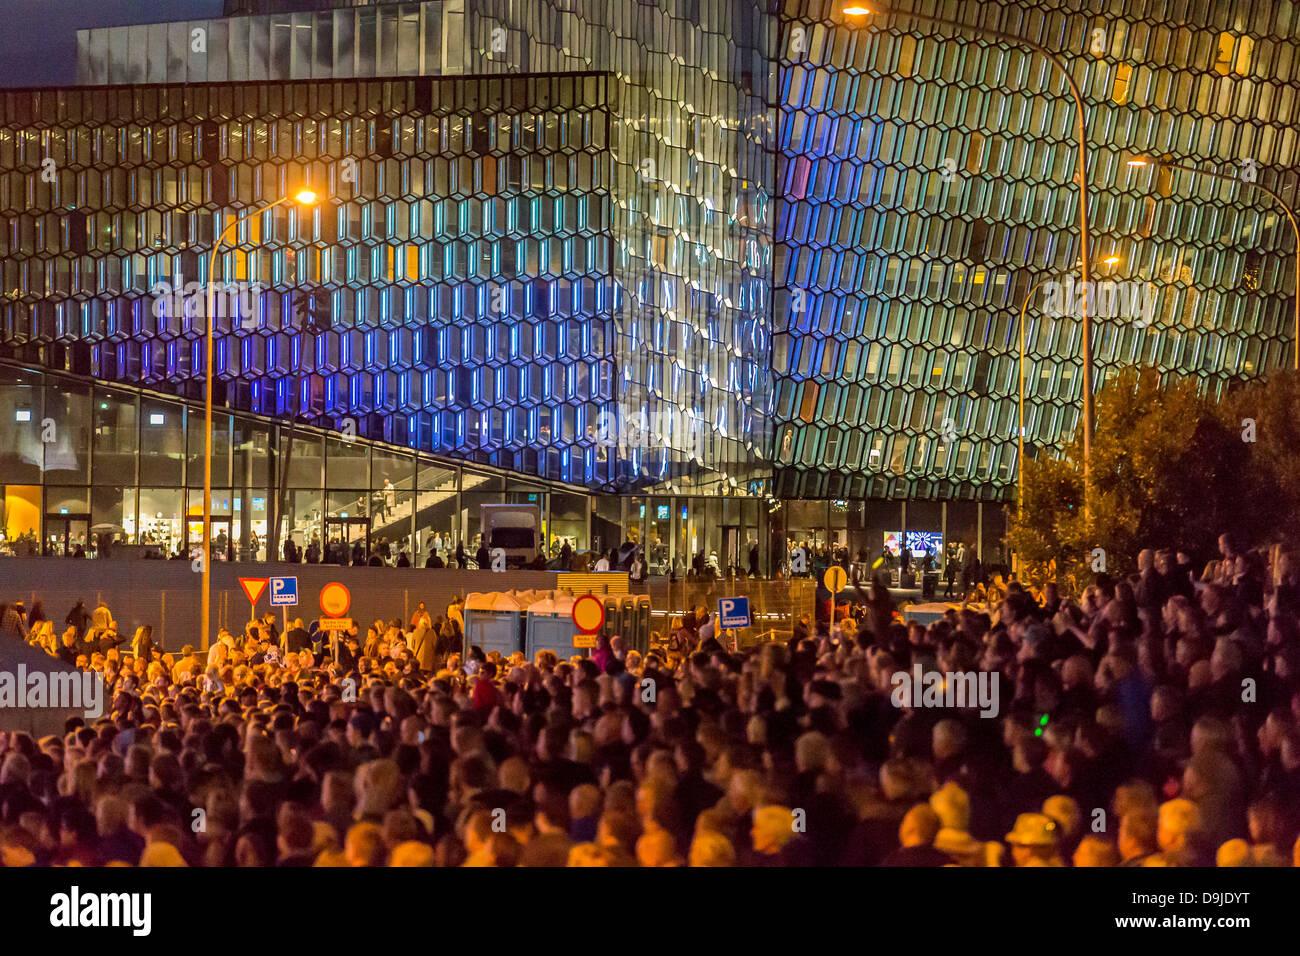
1154	721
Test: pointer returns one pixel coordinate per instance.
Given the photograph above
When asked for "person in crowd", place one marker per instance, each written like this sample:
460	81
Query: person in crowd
13	621
78	618
398	749
950	567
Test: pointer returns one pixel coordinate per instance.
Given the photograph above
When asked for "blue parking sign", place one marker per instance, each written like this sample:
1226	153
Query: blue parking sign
733	612
284	592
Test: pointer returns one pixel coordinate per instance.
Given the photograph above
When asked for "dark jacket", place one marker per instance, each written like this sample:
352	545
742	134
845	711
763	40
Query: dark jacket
917	856
78	617
297	639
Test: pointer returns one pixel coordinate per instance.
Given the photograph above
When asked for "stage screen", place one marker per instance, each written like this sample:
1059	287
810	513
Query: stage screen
918	541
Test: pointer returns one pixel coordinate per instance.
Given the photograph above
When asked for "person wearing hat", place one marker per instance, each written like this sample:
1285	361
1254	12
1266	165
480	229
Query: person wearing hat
1034	840
952	805
1069	820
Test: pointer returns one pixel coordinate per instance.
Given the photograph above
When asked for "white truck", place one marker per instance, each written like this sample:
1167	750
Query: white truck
515	529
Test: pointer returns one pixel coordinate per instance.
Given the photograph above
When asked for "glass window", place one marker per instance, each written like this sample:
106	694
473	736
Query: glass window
347	464
568	521
162	443
20	519
112	512
347	524
391	500
477	490
66	524
252	454
114	440
306	460
21	430
435	514
66	500
223	508
394	466
249	525
220	447
302	518
67	408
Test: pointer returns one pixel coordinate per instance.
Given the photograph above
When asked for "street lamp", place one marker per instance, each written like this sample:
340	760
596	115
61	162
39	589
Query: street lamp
1111	261
1159	164
1089	416
304	197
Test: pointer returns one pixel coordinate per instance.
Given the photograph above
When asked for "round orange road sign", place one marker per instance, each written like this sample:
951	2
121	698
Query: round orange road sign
835	579
335	599
588	613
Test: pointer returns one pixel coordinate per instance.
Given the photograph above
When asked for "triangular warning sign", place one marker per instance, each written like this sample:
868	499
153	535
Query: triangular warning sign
254	587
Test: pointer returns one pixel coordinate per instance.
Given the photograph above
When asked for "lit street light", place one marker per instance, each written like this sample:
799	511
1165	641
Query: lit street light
1159	164
1089	415
1111	261
306	198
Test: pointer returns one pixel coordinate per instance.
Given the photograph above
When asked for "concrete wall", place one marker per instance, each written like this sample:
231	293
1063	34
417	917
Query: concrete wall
167	595
18	661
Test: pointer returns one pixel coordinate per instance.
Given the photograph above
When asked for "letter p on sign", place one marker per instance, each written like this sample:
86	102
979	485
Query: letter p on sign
733	612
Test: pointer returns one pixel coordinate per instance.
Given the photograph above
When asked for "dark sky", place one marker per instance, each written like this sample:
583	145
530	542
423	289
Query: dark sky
38	38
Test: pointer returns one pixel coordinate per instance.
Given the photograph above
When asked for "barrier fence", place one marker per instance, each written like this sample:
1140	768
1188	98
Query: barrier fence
166	596
774	605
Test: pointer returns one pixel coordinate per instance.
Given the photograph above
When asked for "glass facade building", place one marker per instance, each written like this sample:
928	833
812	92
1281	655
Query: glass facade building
686	167
760	256
80	458
926	183
543	250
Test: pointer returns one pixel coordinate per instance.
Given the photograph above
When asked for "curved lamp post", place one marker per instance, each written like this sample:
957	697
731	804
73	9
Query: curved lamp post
1089	416
1020	437
1160	164
307	198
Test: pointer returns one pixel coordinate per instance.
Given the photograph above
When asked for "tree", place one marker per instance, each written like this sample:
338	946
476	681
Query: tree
1265	414
1168	468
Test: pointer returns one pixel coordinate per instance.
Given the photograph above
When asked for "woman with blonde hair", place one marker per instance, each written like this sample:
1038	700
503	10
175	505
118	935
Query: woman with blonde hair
212	680
218	654
43	637
142	645
710	848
